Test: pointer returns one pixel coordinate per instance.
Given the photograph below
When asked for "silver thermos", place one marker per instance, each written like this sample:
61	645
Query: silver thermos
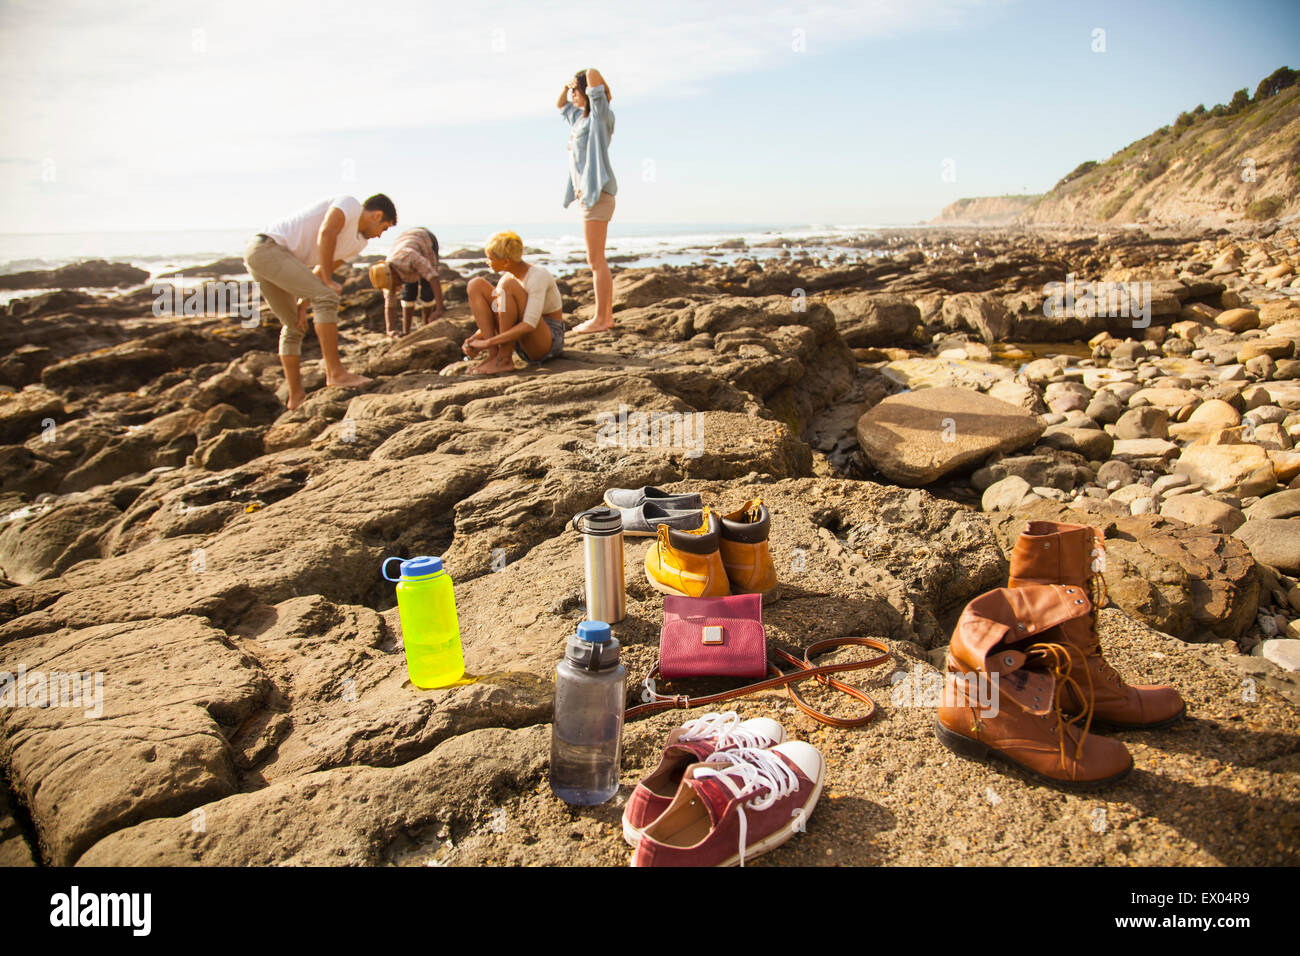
602	546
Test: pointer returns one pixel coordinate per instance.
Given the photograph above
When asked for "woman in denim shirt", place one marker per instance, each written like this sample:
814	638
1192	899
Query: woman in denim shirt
591	180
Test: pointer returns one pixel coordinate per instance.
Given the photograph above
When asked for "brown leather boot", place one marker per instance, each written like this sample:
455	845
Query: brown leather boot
1009	669
688	562
744	548
1049	552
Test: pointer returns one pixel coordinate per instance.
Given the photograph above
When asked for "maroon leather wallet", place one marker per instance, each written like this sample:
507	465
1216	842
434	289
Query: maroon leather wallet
713	637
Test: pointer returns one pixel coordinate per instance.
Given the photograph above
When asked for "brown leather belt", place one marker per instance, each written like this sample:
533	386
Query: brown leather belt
805	669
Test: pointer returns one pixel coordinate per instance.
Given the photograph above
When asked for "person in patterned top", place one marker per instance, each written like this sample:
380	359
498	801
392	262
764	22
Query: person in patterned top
412	263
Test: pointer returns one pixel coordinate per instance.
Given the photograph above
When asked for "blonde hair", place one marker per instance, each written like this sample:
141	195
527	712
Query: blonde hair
505	245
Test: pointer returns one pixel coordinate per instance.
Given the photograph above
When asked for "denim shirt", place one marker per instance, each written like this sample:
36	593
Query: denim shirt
591	147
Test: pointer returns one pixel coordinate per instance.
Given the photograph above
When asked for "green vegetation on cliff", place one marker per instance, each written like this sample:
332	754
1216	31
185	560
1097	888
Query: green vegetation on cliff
1236	160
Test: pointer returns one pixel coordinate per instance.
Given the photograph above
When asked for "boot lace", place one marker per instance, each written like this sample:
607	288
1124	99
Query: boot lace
1059	658
725	727
1097	593
747	771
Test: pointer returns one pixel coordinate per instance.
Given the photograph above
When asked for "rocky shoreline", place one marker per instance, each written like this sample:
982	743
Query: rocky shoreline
903	408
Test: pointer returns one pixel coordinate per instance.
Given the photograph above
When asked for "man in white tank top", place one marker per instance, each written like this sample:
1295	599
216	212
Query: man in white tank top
294	261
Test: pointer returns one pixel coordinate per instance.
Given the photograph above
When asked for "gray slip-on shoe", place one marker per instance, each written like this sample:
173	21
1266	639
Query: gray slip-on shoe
644	520
623	498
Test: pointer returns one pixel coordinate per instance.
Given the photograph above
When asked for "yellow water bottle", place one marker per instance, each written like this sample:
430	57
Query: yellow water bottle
426	605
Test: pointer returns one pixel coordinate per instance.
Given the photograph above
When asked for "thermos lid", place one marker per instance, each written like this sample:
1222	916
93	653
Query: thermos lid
593	648
599	521
417	567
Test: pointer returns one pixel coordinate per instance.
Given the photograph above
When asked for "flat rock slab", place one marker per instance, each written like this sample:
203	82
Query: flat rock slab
917	373
139	733
917	437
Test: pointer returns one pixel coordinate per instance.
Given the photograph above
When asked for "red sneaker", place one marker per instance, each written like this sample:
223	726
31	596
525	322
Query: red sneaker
738	804
694	741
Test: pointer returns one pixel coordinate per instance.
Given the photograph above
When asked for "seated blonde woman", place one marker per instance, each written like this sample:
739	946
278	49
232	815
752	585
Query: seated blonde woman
522	312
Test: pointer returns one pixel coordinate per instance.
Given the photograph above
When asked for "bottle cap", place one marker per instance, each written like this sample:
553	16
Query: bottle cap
421	566
593	648
595	632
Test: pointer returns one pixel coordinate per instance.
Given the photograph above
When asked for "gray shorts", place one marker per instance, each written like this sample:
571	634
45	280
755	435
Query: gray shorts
557	343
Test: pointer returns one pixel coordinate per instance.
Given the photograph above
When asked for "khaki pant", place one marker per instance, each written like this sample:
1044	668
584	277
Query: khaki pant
283	280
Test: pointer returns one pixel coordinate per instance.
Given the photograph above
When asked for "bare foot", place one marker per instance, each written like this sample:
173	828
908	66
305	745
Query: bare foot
296	400
592	325
346	378
491	367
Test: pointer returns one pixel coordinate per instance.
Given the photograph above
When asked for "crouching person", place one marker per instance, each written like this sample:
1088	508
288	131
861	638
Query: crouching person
409	276
521	313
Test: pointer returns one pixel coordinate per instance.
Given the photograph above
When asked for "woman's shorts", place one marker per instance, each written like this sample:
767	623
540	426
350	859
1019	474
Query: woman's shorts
557	343
603	211
421	292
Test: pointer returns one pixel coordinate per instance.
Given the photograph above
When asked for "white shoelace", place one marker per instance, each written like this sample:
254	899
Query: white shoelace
755	769
726	728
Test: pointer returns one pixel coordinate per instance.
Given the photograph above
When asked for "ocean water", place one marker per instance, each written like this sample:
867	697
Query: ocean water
165	251
630	245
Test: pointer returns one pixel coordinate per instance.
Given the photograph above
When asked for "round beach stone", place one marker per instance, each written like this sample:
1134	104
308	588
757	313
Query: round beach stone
1004	495
1041	371
1064	397
1018	394
1275	348
1198	509
1105	407
1145	422
1116	471
1281	504
1092	443
1209	416
1166	397
1237	320
1273	541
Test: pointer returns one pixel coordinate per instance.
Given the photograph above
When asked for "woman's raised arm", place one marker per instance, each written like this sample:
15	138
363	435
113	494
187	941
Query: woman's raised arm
595	79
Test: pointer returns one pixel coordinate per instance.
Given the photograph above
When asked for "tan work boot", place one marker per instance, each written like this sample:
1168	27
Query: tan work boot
688	562
744	548
1009	668
1049	552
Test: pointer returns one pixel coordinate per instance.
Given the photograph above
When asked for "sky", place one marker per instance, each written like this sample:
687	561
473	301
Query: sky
169	114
